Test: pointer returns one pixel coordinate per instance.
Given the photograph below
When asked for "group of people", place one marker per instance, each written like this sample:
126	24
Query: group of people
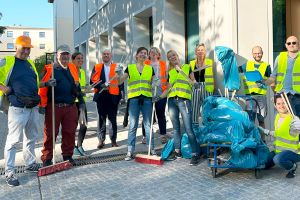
184	87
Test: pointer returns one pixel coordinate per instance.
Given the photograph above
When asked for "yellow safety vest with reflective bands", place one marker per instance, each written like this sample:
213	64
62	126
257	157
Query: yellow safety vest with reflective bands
208	75
282	67
180	85
139	84
251	87
283	139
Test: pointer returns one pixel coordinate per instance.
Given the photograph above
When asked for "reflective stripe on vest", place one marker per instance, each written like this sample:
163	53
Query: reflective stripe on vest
282	68
251	87
180	86
162	73
113	87
283	139
139	84
209	74
43	92
5	71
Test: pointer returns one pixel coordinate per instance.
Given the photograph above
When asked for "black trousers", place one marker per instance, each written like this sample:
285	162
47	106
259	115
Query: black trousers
82	128
107	107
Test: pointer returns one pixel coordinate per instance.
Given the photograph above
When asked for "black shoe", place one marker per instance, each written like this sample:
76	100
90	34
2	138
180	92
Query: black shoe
12	181
195	160
292	173
47	163
174	155
70	159
33	168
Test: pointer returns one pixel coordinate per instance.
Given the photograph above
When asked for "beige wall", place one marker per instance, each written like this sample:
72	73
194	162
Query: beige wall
35	39
239	25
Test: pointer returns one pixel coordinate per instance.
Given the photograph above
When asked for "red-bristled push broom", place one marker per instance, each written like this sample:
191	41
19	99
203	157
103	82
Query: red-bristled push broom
59	166
150	159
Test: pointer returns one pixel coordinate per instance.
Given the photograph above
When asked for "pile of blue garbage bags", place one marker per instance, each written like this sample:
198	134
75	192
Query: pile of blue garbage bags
224	121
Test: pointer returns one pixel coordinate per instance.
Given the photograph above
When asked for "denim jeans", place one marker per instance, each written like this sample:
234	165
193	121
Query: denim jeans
284	159
19	120
182	106
136	106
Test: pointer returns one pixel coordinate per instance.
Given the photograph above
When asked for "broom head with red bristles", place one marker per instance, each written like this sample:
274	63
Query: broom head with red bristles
44	171
148	159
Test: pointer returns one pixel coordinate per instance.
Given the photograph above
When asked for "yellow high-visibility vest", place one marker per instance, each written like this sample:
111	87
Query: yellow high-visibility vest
180	85
283	139
282	67
208	75
139	84
251	87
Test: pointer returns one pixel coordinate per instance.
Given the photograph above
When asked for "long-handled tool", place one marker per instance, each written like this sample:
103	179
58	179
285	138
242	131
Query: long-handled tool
59	166
287	103
150	159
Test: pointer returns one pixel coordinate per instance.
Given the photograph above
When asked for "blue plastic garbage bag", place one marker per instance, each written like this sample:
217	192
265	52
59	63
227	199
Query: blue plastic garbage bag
168	149
200	133
228	60
262	153
228	131
186	150
243	159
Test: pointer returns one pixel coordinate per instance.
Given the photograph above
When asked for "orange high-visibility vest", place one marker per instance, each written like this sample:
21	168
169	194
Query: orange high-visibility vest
43	92
113	87
163	73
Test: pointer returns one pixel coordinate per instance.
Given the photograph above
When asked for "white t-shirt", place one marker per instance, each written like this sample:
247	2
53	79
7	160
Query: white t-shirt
106	70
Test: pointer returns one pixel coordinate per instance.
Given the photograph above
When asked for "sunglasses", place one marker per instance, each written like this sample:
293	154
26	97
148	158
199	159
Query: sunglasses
289	43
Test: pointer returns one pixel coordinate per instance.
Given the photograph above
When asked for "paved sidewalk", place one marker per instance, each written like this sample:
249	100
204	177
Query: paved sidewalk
131	180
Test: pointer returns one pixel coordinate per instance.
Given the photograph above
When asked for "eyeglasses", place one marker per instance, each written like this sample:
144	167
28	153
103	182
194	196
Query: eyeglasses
289	43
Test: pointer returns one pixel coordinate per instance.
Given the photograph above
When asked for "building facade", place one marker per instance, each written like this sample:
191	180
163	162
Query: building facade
124	25
41	38
63	22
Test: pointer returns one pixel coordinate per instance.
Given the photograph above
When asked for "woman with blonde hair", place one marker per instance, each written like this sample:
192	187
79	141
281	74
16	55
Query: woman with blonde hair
179	91
203	72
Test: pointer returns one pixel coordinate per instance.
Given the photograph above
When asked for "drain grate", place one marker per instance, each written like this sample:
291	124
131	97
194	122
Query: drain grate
88	160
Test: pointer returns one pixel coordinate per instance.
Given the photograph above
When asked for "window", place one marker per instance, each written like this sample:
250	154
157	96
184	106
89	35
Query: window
10	46
42	34
10	34
42	46
26	33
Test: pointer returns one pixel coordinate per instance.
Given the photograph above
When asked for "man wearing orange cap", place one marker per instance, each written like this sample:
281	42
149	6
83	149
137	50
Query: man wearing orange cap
19	83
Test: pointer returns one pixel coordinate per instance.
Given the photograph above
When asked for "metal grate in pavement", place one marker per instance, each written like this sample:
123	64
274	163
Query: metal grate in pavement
80	161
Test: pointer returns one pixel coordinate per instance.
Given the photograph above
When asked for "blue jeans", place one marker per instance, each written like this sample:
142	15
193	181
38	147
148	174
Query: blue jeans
182	106
137	105
284	159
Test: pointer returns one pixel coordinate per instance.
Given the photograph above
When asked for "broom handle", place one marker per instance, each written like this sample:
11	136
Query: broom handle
285	102
53	117
151	125
289	105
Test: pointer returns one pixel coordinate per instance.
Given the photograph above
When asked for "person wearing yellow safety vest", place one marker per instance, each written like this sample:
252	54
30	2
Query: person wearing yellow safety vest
286	139
203	72
286	73
107	96
256	106
77	60
19	83
139	90
179	91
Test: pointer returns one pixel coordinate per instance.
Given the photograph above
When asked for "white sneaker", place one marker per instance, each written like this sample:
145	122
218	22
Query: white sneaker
129	156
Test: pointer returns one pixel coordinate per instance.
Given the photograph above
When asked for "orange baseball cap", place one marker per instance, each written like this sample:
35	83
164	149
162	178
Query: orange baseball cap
24	41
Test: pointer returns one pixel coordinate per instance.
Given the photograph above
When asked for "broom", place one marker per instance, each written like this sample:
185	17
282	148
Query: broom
150	159
59	166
